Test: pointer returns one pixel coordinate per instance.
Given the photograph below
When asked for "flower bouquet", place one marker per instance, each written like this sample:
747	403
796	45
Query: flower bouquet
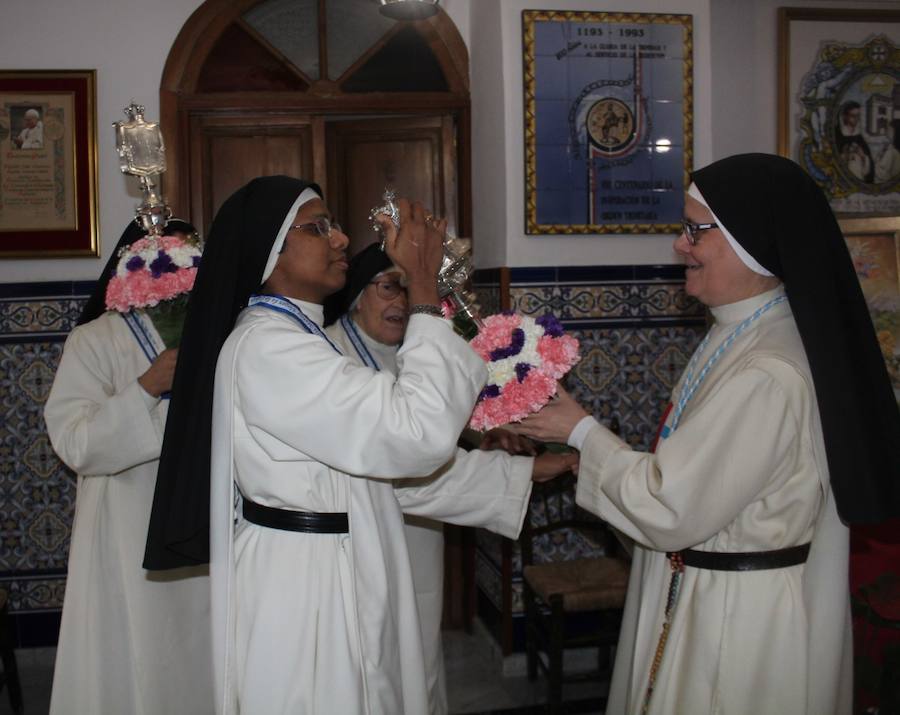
155	274
525	357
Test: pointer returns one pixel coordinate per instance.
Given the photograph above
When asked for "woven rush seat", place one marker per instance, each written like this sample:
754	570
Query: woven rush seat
585	584
570	603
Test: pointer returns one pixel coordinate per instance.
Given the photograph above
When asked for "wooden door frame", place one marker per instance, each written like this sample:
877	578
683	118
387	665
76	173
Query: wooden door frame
179	98
181	103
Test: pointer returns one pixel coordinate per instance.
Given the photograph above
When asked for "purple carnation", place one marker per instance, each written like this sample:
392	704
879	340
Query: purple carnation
516	342
135	263
162	264
522	369
489	391
551	325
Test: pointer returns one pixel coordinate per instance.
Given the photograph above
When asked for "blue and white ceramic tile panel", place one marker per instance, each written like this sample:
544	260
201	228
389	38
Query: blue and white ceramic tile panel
637	330
486	285
37	492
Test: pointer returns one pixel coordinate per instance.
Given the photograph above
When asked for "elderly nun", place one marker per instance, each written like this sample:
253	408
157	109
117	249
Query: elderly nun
367	320
783	429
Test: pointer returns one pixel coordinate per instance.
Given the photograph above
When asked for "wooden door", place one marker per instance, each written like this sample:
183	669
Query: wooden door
228	151
416	156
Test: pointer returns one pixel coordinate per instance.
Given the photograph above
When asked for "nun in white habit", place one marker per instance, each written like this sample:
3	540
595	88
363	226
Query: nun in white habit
313	602
784	426
130	641
367	319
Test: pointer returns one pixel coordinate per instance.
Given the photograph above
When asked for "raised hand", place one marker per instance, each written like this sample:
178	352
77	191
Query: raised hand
417	249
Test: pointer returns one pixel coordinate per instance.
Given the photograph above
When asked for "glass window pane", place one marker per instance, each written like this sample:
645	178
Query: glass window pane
353	27
405	64
291	27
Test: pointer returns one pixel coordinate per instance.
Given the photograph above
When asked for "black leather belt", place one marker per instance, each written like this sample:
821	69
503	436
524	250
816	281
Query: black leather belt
744	561
309	522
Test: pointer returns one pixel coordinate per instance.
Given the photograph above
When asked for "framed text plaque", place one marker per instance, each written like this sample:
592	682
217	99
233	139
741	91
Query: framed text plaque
48	164
608	121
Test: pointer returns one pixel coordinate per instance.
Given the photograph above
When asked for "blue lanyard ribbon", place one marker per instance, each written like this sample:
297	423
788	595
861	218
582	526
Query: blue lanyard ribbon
690	385
280	304
144	336
358	344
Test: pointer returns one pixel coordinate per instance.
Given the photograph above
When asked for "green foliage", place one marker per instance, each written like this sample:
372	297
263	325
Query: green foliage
168	319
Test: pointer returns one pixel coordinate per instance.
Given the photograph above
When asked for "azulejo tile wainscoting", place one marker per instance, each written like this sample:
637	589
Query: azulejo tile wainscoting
637	330
37	492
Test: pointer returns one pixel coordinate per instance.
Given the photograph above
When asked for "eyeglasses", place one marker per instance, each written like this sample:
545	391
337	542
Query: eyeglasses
690	230
388	290
322	226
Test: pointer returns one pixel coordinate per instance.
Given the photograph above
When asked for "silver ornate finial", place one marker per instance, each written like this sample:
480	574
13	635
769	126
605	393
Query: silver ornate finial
456	266
142	153
389	209
454	277
134	110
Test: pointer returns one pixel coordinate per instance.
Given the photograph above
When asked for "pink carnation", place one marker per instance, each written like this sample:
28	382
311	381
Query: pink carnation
134	284
522	374
558	354
495	333
167	242
142	244
117	295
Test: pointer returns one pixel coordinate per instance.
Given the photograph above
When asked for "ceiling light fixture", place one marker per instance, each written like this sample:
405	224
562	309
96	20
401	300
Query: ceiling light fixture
408	9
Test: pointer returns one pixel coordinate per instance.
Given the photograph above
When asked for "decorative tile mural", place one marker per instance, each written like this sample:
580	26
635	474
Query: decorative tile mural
37	492
637	330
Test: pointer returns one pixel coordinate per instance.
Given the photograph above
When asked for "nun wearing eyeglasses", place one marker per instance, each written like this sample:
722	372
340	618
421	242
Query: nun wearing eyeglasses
783	430
289	493
367	319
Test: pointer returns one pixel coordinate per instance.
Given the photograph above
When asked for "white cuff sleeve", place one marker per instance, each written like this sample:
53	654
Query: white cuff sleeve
578	434
149	400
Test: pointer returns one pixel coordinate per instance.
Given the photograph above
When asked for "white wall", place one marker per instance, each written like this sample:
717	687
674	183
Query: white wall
744	70
127	43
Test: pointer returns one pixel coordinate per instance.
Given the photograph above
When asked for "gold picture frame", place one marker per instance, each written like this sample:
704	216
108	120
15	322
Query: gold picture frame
608	121
874	245
839	104
48	164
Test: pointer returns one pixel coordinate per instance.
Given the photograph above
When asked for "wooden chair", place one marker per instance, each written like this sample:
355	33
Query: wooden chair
10	675
591	589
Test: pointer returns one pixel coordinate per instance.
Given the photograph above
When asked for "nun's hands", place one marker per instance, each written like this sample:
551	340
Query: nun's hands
159	376
417	248
508	441
550	465
555	420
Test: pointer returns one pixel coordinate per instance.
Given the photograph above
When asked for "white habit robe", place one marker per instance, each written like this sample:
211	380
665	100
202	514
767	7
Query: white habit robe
131	641
425	537
745	470
327	623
